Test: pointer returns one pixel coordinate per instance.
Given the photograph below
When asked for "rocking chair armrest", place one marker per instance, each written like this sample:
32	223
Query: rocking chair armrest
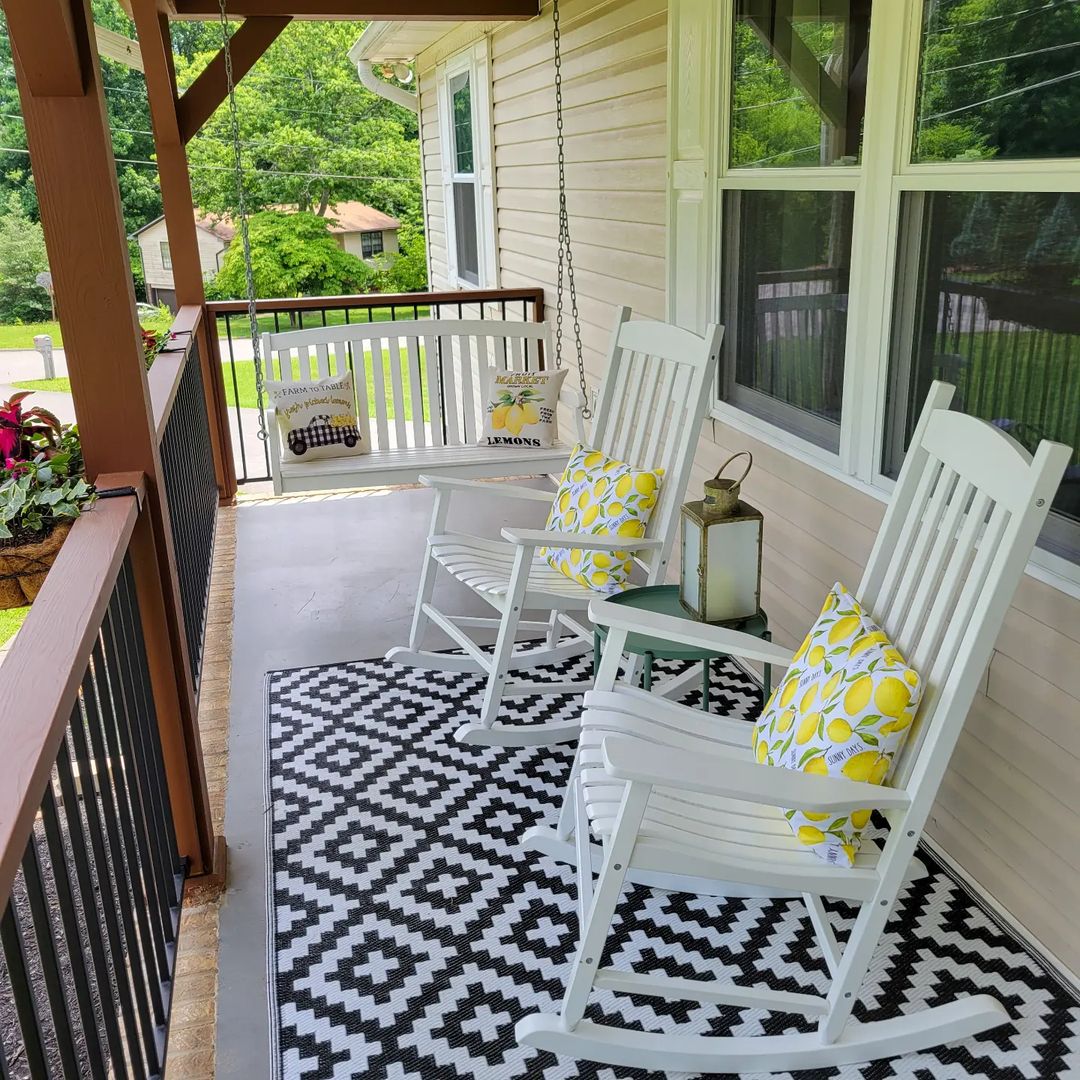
632	759
548	538
502	490
722	640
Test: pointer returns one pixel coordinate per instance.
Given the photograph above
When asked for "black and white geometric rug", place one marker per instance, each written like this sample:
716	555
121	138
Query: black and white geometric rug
409	933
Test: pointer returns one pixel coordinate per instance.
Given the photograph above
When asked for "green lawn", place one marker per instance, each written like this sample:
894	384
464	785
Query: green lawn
59	385
243	371
22	336
10	621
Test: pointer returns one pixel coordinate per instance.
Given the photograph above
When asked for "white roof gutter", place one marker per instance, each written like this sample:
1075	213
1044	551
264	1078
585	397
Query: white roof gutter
389	91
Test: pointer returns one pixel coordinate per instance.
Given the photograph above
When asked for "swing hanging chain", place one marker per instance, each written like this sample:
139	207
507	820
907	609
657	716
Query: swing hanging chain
245	234
566	256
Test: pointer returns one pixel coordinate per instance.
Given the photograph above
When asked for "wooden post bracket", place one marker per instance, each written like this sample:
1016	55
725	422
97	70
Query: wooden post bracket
250	40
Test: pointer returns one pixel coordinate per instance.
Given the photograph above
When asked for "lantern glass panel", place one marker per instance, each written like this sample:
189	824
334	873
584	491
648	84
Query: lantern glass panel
731	584
691	563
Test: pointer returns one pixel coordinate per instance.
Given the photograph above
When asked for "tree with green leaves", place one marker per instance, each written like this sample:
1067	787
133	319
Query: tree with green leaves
292	255
311	135
22	258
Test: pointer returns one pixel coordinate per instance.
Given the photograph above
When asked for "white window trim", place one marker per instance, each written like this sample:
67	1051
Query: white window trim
698	99
476	60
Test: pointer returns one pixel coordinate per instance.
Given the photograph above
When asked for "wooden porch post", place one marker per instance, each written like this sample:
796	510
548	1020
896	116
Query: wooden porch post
152	28
71	153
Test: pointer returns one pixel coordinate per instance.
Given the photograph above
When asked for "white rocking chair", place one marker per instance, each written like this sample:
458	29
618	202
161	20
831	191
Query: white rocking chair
650	411
676	795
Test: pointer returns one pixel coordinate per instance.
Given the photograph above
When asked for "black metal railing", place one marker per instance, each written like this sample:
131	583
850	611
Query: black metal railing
251	455
187	466
90	917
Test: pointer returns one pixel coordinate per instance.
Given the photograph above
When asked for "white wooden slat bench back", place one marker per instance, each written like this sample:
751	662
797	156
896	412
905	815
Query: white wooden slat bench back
396	365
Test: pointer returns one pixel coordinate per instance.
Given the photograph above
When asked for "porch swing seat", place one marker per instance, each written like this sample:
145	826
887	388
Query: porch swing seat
442	362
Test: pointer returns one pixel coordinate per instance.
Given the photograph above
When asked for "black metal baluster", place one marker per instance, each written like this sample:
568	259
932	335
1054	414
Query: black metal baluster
110	902
129	811
143	978
236	398
109	993
80	970
148	728
148	816
41	920
22	992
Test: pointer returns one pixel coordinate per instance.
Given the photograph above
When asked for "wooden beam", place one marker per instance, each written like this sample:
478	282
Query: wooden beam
777	32
52	53
249	41
390	10
71	153
175	180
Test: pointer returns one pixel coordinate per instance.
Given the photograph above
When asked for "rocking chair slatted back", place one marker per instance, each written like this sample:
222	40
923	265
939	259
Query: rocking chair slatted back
948	557
655	390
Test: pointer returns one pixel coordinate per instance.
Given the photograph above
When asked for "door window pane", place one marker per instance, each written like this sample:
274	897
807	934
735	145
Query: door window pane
461	118
468	262
785	297
988	299
998	79
799	82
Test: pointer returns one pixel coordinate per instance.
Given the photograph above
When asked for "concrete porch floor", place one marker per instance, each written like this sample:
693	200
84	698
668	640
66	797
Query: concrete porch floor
318	580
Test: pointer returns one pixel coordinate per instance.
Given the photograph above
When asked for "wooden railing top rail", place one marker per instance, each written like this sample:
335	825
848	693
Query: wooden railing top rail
163	378
40	677
379	300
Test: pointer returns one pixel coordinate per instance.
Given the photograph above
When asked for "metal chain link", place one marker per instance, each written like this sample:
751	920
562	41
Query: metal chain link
566	256
245	234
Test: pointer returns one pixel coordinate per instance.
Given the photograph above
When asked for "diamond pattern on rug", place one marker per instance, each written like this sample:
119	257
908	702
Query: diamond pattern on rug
409	932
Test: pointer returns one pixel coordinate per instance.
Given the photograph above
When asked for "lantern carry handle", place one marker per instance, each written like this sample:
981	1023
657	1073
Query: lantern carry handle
749	462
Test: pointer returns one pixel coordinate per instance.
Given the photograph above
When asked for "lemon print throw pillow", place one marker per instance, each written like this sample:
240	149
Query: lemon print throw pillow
520	408
601	496
844	708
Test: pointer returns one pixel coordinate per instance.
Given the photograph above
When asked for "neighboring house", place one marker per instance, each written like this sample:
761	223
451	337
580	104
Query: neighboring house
676	211
360	229
214	237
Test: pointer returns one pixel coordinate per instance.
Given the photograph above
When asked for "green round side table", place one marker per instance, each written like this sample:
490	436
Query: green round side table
664	600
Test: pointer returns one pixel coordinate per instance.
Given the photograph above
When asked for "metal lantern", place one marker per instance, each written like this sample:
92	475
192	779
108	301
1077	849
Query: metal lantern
720	580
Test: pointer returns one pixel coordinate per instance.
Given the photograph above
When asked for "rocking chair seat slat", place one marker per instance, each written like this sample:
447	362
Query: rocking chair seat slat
486	567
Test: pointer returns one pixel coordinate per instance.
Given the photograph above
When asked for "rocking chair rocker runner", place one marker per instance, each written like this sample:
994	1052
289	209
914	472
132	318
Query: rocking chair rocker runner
678	798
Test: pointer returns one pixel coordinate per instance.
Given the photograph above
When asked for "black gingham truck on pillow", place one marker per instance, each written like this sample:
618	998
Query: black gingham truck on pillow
322	431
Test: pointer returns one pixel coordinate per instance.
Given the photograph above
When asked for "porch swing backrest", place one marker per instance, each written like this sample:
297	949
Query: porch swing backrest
655	388
950	552
443	362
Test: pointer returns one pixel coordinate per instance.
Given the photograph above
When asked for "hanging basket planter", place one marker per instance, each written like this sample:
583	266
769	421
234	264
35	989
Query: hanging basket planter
23	567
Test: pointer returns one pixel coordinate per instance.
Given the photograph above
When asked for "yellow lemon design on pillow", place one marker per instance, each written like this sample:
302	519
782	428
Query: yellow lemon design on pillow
601	496
844	708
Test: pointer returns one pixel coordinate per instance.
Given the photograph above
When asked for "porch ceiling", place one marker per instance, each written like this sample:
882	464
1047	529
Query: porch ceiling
390	10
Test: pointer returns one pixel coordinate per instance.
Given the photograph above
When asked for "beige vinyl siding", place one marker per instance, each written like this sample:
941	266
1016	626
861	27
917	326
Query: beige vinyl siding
211	248
614	101
1007	812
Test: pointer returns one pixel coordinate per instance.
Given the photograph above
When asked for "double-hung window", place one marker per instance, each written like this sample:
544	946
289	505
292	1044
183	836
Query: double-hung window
371	244
166	255
468	196
892	194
